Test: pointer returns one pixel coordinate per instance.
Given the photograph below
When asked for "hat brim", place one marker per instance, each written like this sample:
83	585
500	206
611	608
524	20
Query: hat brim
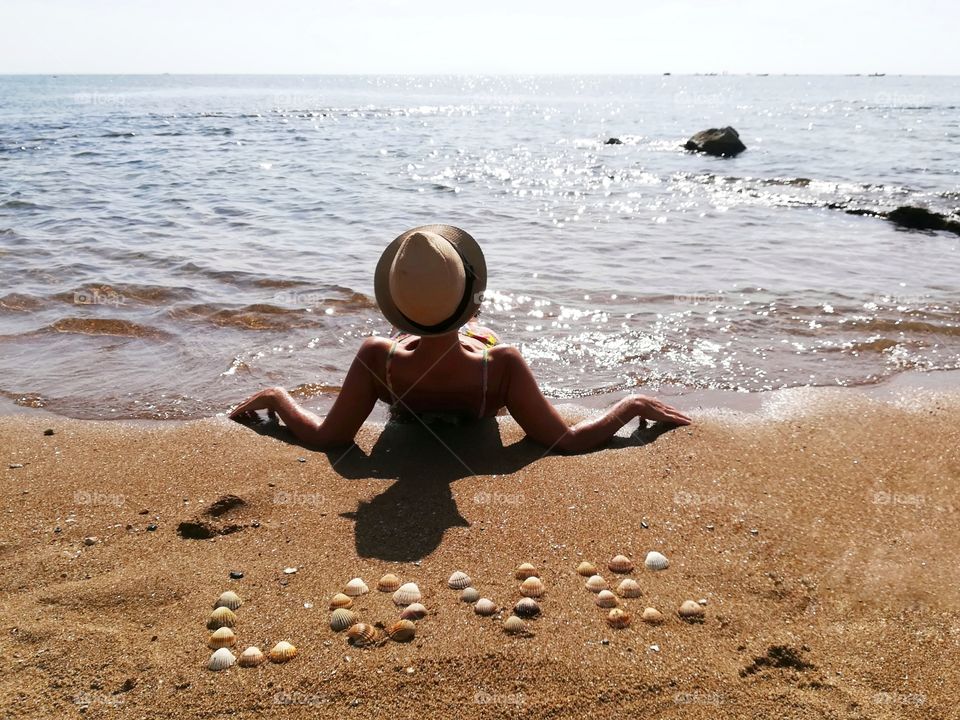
474	265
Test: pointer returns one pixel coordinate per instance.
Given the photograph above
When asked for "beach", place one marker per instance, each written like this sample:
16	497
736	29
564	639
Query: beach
818	526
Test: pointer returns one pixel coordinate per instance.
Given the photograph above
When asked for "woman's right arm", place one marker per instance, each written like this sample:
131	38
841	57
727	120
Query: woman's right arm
542	423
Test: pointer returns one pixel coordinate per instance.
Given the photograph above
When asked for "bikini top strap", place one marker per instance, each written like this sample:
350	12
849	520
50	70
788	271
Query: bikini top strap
483	385
393	350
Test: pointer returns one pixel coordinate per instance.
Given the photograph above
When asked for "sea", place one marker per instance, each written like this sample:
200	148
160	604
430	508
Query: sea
170	244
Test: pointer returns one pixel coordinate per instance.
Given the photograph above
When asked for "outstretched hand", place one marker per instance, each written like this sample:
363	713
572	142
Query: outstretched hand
652	409
247	410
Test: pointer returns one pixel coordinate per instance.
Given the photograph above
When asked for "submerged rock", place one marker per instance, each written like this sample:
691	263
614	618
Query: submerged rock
613	141
722	142
917	218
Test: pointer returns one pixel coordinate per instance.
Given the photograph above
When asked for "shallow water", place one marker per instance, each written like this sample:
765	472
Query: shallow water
169	244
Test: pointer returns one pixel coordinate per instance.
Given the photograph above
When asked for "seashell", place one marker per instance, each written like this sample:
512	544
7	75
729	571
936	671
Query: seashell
414	611
221	660
653	616
485	606
356	587
282	652
221	638
341	619
364	635
596	583
402	631
221	617
341	601
228	599
527	608
656	561
618	619
606	599
459	580
621	564
514	625
586	569
388	583
691	611
524	571
532	587
469	595
251	657
407	594
629	588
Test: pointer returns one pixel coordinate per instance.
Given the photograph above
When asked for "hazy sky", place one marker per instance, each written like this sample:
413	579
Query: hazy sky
488	36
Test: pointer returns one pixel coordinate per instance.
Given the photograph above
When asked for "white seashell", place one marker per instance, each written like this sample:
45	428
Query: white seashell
524	571
251	657
691	610
586	569
341	619
653	616
459	580
282	652
388	583
596	583
656	561
606	599
414	611
221	660
407	594
514	625
356	587
620	564
485	606
228	599
221	617
289	571
527	607
532	587
469	595
221	638
629	588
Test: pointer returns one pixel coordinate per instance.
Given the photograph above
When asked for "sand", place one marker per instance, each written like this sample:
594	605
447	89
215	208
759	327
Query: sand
821	529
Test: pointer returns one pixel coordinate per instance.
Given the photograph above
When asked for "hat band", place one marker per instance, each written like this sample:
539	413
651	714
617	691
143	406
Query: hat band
464	301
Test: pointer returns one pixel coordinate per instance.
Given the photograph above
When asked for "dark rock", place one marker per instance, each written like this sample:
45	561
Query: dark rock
236	575
48	431
917	218
151	527
613	141
722	142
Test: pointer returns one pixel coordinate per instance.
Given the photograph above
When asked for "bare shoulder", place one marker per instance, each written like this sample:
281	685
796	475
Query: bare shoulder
373	348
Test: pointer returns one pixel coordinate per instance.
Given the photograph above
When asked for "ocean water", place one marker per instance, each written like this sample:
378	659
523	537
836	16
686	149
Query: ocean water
169	244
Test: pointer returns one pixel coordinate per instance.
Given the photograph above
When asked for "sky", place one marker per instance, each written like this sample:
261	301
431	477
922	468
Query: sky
490	36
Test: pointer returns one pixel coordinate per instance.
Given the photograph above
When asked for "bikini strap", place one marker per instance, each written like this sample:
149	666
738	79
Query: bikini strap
393	350
483	385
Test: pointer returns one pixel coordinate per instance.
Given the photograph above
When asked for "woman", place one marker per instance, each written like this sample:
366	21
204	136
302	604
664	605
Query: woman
429	284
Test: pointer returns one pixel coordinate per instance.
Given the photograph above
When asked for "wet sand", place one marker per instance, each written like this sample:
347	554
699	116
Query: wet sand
821	528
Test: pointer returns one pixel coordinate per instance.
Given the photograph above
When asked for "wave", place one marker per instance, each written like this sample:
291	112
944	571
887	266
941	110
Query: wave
118	134
104	326
103	294
251	317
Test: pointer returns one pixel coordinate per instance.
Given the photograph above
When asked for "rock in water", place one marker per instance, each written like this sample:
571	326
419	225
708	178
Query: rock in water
722	142
917	218
613	141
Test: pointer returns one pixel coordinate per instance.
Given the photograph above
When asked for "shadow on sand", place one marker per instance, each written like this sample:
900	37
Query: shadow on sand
406	521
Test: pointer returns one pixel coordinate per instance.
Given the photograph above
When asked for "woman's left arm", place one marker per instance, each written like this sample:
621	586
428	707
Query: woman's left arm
352	406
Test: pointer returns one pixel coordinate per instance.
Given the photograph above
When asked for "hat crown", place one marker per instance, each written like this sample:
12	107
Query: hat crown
427	278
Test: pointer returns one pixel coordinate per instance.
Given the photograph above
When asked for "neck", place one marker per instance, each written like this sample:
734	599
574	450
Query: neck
438	343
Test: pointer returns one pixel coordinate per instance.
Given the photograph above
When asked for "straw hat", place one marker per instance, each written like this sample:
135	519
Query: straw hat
430	280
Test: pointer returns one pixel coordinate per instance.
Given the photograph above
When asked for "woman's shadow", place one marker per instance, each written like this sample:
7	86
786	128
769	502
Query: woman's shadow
406	521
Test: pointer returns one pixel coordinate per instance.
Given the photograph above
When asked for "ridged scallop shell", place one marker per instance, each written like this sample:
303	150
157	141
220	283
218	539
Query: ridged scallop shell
618	619
282	652
606	599
356	587
656	561
532	587
629	588
341	601
596	583
586	569
251	657
459	580
221	617
620	564
221	660
485	606
364	635
388	583
402	631
514	625
691	610
407	594
228	599
341	619
524	571
469	595
652	616
414	611
527	608
221	638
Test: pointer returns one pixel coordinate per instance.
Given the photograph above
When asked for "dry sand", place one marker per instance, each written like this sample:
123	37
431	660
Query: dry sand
822	530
